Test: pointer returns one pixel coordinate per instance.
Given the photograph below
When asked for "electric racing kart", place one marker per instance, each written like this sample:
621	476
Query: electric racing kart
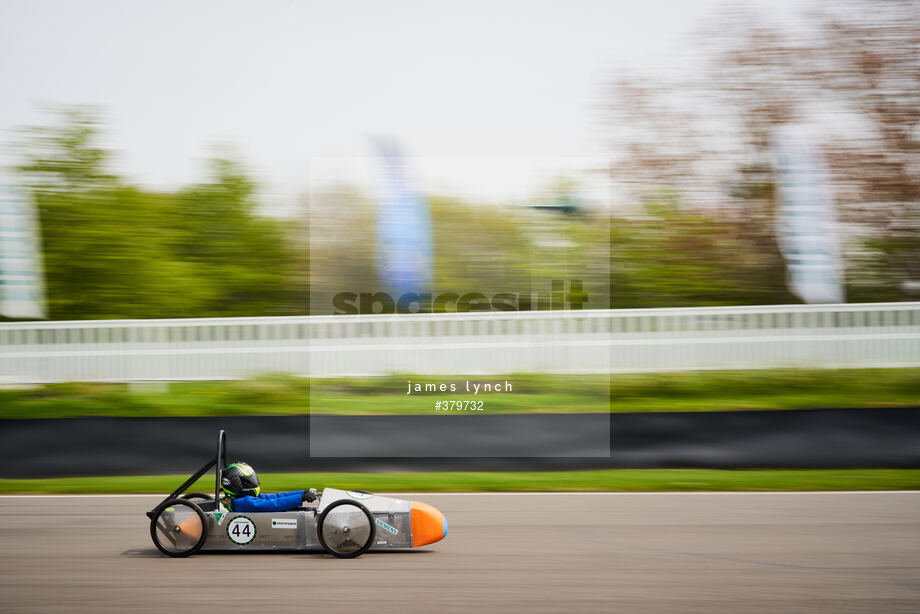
344	523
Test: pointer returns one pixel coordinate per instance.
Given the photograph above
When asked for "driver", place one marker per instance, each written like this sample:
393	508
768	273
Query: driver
240	488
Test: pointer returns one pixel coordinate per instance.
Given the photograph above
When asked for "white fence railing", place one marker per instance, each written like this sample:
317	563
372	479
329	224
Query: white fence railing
595	341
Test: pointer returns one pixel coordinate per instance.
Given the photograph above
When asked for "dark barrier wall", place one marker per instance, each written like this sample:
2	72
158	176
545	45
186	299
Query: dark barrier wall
821	438
814	438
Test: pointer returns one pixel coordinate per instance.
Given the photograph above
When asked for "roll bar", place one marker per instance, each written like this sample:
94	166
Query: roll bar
219	461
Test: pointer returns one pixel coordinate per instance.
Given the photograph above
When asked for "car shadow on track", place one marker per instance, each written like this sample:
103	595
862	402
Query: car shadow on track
153	553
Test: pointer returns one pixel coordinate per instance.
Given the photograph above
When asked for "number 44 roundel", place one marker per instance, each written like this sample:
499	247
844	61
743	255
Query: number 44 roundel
241	530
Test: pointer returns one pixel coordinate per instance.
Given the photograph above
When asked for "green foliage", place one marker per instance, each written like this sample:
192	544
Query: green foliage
676	258
64	158
885	267
626	480
242	261
277	394
112	250
477	249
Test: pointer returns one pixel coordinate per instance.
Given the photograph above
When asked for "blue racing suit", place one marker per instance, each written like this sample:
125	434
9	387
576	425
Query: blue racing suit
276	502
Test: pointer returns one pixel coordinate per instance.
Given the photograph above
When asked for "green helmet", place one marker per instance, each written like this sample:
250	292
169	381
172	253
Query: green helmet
239	480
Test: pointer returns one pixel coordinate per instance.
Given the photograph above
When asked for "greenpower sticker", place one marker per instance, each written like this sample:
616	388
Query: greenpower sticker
389	528
284	523
241	530
219	516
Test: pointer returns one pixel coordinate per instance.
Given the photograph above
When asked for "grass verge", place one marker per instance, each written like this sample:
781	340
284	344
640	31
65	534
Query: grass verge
282	394
572	481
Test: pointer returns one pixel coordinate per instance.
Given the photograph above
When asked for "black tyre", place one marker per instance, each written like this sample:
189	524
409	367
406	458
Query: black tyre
178	528
346	529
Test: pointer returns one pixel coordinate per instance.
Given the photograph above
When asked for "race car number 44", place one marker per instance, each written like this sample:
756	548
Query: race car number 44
241	530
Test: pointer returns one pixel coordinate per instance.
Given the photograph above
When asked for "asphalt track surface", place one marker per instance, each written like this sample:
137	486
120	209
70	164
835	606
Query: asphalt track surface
721	552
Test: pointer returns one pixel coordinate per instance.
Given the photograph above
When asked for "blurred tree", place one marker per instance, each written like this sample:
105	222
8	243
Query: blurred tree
853	70
858	67
65	157
241	261
705	235
477	249
341	247
520	251
673	257
859	71
115	251
480	249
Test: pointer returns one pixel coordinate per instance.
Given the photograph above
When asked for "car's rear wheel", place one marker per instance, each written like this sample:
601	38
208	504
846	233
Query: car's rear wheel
345	529
178	528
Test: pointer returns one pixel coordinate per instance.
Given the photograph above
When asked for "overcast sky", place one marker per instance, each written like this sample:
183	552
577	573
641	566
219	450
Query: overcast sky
488	97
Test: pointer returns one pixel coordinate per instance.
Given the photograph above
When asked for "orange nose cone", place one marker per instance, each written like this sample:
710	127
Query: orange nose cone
428	524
